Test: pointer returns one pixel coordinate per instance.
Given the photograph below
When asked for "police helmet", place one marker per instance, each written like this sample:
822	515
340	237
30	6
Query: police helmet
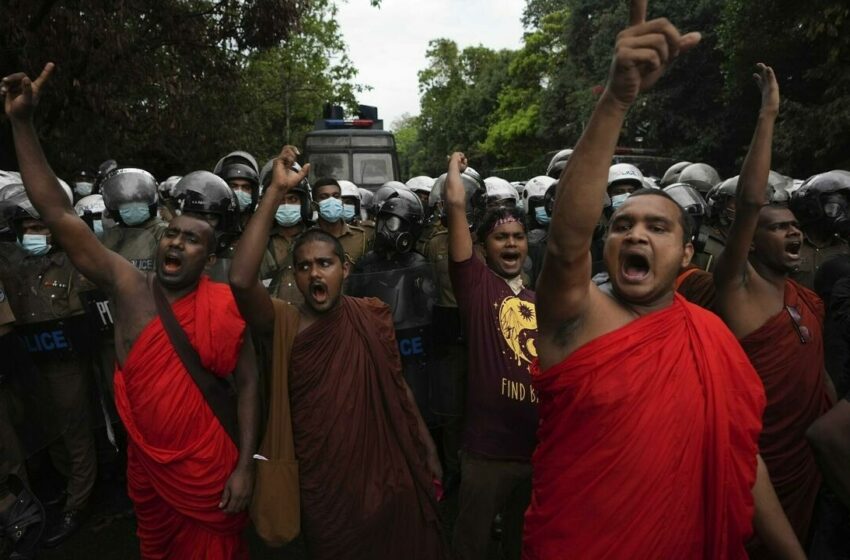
103	170
128	185
420	183
700	176
625	173
558	163
239	158
717	198
16	206
90	208
349	190
399	220
824	197
302	189
166	187
366	198
672	174
470	188
695	205
499	190
535	191
206	194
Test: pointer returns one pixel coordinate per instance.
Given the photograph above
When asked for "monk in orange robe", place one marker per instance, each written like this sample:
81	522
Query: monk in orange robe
649	411
188	480
779	322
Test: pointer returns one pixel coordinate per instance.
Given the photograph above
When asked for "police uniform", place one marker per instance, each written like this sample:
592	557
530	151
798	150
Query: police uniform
355	242
11	453
431	229
136	244
369	227
42	291
283	283
812	258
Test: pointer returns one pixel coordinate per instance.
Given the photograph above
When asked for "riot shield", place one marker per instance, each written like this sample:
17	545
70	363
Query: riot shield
137	245
410	293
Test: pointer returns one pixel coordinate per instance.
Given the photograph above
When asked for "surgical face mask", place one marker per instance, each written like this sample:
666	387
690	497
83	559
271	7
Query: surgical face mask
330	209
134	213
288	214
83	189
618	200
243	198
347	212
35	244
97	226
541	216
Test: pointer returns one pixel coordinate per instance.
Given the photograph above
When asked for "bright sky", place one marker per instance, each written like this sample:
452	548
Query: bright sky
387	44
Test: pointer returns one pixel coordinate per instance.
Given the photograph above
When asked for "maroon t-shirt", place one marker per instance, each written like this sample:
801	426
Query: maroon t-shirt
501	406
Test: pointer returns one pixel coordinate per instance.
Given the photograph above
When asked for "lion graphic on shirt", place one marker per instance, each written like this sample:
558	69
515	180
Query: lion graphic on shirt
518	324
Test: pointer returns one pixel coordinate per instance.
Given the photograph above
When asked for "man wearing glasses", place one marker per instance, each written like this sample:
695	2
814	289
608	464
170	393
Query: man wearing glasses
778	322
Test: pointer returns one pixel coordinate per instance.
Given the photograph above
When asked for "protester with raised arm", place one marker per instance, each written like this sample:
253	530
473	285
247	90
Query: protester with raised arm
778	322
188	479
649	410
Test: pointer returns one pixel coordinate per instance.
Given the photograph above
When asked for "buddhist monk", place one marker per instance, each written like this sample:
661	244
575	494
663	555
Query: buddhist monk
188	480
649	410
778	322
366	460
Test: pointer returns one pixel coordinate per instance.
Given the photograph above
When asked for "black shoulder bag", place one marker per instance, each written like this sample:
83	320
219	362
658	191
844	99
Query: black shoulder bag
217	391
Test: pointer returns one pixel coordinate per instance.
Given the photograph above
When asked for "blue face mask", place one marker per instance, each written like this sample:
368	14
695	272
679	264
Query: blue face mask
83	189
244	199
618	200
288	214
347	212
330	209
35	244
134	213
97	226
541	216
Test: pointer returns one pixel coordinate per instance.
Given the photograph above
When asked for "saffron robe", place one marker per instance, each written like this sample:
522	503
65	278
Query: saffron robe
178	456
647	444
365	488
793	375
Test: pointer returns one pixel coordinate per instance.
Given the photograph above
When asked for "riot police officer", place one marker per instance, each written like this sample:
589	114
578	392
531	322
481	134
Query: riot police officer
672	174
537	222
91	208
700	176
130	198
421	185
42	286
327	201
82	184
558	163
240	172
167	200
821	205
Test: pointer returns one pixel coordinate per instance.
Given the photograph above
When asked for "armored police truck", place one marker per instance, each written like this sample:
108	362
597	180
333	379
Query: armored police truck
357	150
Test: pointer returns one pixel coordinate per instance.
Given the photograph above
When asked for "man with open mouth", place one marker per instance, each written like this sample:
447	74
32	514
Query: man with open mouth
649	410
501	408
778	322
366	461
189	480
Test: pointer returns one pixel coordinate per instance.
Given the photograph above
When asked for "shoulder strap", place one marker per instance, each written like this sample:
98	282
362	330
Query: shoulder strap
214	391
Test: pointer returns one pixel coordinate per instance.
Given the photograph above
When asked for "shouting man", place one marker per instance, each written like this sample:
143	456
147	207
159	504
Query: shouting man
649	409
188	480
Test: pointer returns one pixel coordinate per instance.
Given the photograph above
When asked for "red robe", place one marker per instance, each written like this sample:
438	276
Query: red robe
179	457
365	488
647	444
793	375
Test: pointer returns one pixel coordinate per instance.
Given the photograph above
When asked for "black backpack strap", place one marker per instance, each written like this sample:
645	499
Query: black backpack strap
213	388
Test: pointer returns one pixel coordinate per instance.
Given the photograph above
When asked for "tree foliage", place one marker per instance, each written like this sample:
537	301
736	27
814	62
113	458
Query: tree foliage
170	85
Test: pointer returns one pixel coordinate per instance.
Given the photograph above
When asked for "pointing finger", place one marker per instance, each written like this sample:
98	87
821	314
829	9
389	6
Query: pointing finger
637	12
45	74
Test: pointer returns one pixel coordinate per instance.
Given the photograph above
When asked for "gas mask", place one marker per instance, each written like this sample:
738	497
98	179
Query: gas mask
835	212
392	234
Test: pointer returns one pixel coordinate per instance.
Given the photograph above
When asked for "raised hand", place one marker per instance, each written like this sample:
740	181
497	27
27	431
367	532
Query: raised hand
22	94
643	52
458	159
766	81
283	176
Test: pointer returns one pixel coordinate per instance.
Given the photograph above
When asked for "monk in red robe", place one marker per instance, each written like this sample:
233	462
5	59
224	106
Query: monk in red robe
366	461
649	411
778	322
188	481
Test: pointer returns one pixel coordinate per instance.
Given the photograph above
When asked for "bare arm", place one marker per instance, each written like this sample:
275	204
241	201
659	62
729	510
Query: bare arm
769	520
239	487
97	263
829	436
731	268
454	197
640	58
253	300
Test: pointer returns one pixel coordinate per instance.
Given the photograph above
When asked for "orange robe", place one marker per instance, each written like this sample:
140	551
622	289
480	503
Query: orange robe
647	444
179	457
793	375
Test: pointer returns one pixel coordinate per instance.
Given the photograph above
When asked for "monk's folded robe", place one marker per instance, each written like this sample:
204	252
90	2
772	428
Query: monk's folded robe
647	444
179	456
365	489
787	352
